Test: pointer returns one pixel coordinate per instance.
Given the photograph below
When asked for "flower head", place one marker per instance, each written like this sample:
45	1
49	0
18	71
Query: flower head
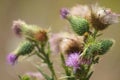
17	27
64	12
72	44
101	17
11	58
41	35
73	60
55	41
80	10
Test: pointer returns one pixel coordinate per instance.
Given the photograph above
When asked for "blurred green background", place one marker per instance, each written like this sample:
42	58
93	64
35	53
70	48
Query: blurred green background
45	13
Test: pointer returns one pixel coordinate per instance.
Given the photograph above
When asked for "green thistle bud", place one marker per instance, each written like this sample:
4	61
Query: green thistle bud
26	47
105	46
79	25
93	48
100	47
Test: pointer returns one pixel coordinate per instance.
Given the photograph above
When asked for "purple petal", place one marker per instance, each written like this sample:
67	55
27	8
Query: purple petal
64	12
73	60
11	58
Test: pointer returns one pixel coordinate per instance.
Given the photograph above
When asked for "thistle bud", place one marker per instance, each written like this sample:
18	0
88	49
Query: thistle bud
26	47
93	48
79	25
105	46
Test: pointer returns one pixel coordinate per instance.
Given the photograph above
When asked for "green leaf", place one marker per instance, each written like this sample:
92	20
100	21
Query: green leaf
25	77
45	75
90	74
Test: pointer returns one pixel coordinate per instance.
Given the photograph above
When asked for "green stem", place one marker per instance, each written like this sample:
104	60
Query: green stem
68	74
95	34
50	66
46	60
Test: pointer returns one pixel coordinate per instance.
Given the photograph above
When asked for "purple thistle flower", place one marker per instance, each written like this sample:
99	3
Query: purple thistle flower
73	60
11	58
64	12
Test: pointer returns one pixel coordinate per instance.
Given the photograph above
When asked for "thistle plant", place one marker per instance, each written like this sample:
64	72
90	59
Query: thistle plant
79	50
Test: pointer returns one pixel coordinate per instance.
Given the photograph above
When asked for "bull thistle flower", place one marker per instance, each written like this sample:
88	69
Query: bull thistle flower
25	48
79	52
72	44
66	43
32	32
78	24
101	17
73	61
12	58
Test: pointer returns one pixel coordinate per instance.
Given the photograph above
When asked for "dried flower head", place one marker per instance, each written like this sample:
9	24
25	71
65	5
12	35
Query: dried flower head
101	18
81	11
41	35
72	44
55	41
12	58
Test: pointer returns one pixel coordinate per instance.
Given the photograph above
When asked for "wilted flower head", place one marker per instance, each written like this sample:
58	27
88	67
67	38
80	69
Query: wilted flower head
12	58
41	35
29	31
35	75
72	44
66	43
81	11
102	17
55	41
73	60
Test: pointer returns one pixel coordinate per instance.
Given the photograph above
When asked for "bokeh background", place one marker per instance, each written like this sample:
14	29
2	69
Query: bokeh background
45	13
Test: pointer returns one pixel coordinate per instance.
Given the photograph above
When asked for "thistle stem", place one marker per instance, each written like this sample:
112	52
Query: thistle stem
47	60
